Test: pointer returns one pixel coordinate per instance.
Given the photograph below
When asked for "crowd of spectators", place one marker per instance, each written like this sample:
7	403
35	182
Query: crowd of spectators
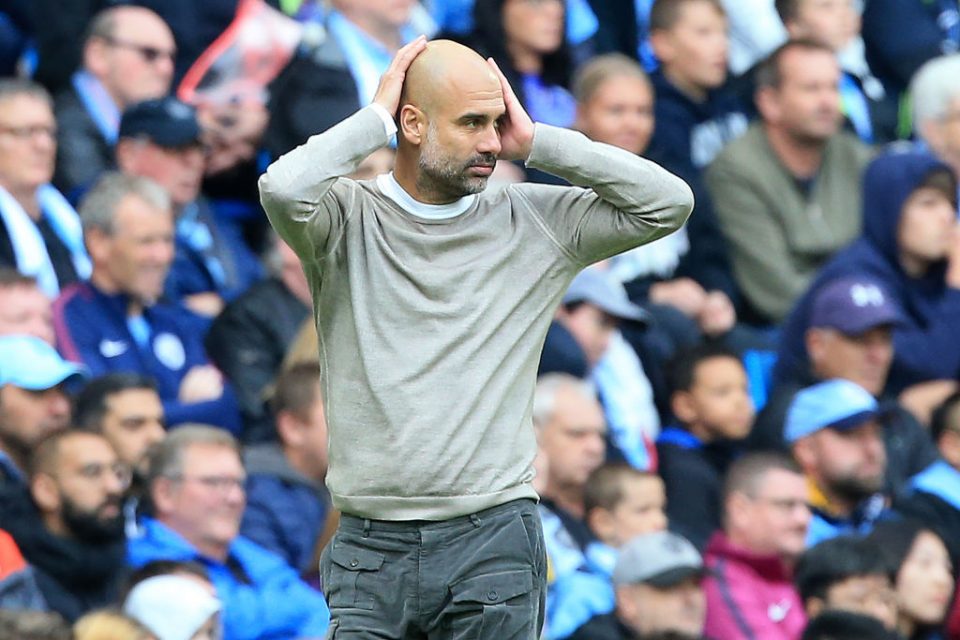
747	429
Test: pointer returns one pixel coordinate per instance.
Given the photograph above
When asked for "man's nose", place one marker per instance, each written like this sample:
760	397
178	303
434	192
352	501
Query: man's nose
490	141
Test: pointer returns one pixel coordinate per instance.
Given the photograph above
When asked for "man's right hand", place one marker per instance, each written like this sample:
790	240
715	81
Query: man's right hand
391	83
202	383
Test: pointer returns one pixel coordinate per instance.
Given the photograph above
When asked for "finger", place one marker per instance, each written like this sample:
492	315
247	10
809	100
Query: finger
509	97
408	52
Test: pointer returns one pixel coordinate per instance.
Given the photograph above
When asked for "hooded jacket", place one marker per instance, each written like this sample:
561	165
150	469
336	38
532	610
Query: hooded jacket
926	345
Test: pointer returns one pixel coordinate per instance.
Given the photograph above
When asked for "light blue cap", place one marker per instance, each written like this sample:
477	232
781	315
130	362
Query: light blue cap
603	291
30	363
838	404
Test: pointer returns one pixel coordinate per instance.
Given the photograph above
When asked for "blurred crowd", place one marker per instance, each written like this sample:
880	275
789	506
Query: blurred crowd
749	429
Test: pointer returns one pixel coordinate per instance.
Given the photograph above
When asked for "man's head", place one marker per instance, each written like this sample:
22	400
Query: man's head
196	484
591	309
622	502
614	102
798	93
835	431
24	309
77	482
935	96
851	332
161	140
131	51
33	403
570	430
709	393
658	585
848	574
28	136
833	22
301	425
449	120
126	410
690	40
945	430
128	229
765	505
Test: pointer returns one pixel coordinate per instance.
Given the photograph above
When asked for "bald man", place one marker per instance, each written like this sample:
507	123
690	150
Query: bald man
432	300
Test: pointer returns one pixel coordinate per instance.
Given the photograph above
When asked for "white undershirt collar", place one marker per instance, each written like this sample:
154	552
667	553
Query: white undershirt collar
392	189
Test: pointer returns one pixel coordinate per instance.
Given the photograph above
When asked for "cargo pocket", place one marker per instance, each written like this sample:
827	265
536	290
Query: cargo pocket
353	573
501	605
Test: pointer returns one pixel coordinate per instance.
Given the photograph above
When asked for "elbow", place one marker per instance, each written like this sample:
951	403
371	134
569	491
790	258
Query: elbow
679	210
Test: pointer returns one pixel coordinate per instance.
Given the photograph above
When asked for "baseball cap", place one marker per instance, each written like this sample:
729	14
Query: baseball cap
660	559
166	121
602	291
838	404
30	363
852	305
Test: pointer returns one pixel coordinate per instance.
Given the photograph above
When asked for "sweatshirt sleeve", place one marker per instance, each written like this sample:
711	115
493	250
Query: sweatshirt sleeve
623	201
931	352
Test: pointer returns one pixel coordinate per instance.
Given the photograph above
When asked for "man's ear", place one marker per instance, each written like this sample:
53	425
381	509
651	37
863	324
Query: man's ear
162	493
803	453
661	41
815	340
289	429
45	493
413	124
125	154
767	104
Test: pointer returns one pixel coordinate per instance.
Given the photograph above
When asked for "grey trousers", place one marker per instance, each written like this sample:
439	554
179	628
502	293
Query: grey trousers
477	576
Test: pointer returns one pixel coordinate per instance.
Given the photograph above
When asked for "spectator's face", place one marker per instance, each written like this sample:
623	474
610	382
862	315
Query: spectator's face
25	310
309	436
591	328
849	464
869	595
136	256
864	359
943	134
694	50
719	399
573	440
641	510
28	143
27	417
133	423
136	63
179	170
925	581
620	112
806	106
533	26
926	222
647	609
775	520
833	22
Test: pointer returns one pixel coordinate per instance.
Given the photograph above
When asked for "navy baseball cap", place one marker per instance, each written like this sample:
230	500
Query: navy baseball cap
167	122
836	404
601	290
853	305
30	363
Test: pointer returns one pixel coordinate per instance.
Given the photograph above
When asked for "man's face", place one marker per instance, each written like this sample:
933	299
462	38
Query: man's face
926	222
28	143
205	502
721	396
647	609
620	112
25	310
642	509
591	328
850	463
943	135
137	62
312	427
695	48
179	170
869	595
775	520
573	440
806	105
137	255
864	359
833	22
27	417
133	423
534	25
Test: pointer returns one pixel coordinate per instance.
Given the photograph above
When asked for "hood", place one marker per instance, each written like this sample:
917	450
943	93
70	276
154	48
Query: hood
887	183
268	459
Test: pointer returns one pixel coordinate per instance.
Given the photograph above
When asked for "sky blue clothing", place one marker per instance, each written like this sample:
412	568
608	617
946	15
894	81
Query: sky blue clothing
273	604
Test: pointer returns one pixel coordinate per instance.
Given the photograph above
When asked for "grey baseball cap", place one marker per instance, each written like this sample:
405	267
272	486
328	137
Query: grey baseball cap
603	291
661	559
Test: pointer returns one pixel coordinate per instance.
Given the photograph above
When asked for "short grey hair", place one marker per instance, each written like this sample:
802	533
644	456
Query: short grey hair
549	387
13	87
166	460
933	88
98	208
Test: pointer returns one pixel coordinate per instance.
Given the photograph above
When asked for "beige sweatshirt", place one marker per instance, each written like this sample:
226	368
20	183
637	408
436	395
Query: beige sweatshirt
431	330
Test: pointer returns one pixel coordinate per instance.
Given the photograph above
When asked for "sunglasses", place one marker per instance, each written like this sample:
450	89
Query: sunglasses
149	54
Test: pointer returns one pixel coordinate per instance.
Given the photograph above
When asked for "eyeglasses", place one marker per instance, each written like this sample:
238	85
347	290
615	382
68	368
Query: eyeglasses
221	484
148	53
784	504
96	470
30	131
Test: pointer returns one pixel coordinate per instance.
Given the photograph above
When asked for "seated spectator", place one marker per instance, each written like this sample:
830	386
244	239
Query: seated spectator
33	402
197	491
918	559
114	323
844	625
945	430
935	106
33	625
127	57
850	336
835	437
846	573
175	606
161	140
782	191
103	625
24	310
69	524
40	234
908	245
287	502
750	591
714	412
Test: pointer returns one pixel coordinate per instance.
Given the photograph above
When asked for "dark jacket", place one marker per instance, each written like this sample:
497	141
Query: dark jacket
82	151
248	342
285	510
926	346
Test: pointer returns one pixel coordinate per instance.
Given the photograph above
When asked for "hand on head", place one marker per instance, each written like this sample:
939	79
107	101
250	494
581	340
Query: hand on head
516	130
391	83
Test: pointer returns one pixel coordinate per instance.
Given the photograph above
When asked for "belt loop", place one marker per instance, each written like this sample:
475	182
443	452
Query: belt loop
366	527
475	519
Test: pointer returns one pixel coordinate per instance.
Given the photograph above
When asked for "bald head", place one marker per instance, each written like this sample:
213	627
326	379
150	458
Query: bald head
446	72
